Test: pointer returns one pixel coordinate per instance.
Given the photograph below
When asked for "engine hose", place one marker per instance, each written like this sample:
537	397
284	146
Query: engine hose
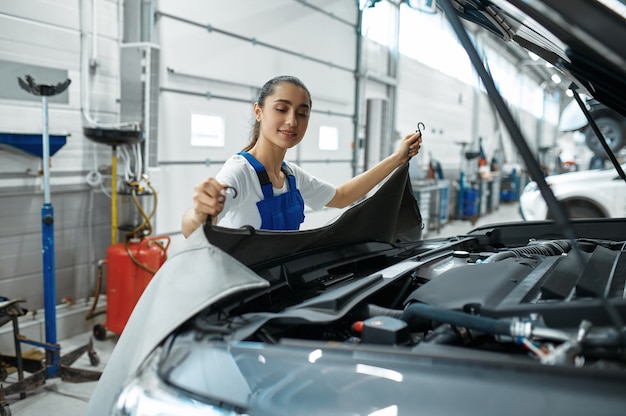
613	339
420	316
444	335
546	248
542	248
500	256
375	310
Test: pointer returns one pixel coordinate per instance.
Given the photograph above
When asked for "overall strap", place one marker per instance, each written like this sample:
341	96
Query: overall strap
264	179
289	175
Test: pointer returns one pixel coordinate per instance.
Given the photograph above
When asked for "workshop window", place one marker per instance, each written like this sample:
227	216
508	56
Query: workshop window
207	130
329	138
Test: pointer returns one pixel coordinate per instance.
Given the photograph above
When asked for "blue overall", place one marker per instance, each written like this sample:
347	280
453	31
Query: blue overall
280	212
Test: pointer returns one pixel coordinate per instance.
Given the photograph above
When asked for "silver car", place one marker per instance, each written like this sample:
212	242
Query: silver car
364	317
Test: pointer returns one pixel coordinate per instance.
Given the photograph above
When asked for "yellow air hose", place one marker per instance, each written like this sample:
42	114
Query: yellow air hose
114	196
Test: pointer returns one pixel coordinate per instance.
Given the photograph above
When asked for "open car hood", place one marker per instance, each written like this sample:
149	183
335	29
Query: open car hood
393	201
582	38
204	272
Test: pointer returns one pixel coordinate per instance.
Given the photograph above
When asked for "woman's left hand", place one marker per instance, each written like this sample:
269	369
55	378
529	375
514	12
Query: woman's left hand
409	147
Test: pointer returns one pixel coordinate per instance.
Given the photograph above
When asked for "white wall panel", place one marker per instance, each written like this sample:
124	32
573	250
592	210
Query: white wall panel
107	18
38	44
288	24
444	105
62	13
198	53
246	12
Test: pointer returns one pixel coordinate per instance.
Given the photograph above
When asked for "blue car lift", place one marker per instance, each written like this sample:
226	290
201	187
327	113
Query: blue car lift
47	226
56	366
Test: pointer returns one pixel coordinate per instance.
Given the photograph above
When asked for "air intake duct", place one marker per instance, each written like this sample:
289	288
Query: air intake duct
541	248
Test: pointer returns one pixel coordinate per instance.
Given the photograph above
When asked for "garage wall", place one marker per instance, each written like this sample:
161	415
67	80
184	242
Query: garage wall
212	60
444	105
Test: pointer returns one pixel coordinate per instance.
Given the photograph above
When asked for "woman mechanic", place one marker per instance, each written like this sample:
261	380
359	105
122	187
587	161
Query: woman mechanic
271	192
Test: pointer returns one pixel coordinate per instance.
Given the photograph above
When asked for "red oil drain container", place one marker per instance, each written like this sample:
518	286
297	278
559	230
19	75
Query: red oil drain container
130	267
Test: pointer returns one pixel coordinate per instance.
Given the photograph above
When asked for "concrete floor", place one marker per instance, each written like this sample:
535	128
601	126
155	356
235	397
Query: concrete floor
56	397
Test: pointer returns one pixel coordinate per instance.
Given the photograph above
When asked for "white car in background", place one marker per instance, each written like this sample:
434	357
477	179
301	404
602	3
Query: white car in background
585	194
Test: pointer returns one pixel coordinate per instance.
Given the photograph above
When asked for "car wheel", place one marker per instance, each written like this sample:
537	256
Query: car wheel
580	209
611	128
583	210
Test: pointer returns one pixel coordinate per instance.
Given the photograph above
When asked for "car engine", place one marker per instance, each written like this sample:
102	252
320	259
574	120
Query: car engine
547	299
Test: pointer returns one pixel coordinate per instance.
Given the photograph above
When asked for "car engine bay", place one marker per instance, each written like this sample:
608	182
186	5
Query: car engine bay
551	300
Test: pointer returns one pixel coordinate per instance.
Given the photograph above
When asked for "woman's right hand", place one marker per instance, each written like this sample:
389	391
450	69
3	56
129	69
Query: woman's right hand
208	200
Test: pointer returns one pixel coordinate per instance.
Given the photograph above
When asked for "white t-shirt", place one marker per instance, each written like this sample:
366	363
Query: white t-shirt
239	173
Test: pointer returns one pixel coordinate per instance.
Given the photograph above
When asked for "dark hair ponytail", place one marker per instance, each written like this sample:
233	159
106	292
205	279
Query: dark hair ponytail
268	89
